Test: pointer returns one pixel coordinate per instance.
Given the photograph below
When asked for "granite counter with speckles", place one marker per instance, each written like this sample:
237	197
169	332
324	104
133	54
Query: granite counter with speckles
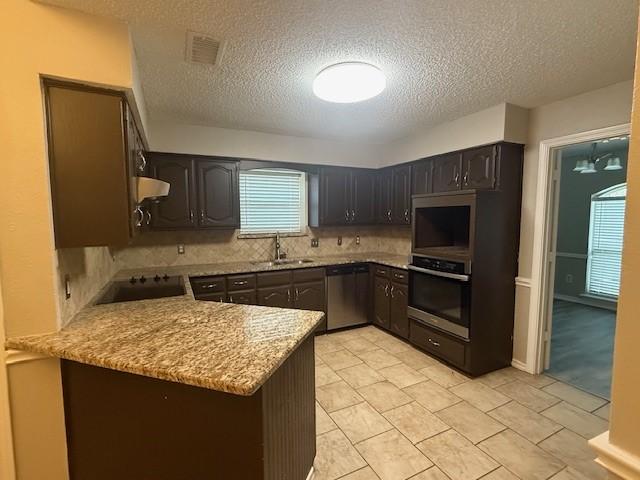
219	346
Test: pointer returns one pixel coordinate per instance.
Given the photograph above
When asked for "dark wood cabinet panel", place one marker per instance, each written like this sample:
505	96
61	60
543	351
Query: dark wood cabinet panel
211	297
363	203
309	296
447	174
381	302
177	210
218	198
334	196
422	177
384	196
244	297
275	296
241	282
398	319
478	167
438	343
401	198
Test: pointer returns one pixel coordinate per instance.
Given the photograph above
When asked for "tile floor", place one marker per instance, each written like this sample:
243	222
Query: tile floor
386	411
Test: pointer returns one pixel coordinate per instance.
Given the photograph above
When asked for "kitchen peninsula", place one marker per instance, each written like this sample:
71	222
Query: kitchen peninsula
175	388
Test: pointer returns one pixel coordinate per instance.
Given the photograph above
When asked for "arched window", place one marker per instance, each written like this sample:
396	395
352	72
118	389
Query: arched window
606	230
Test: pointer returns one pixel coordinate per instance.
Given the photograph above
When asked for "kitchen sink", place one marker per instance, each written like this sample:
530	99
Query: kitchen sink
285	261
142	289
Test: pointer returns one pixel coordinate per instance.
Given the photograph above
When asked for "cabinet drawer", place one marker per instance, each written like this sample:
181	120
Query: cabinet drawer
308	275
241	282
381	271
271	279
207	284
400	276
437	343
211	297
245	297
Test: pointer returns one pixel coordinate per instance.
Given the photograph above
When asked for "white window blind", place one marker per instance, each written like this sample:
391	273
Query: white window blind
606	231
272	201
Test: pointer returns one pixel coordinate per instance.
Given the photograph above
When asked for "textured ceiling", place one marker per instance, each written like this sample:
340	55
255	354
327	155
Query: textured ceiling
443	58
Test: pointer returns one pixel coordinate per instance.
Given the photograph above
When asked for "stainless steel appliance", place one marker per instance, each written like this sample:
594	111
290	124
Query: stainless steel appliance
440	294
347	295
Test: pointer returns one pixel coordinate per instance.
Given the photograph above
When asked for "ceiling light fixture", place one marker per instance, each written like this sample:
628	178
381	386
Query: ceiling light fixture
349	82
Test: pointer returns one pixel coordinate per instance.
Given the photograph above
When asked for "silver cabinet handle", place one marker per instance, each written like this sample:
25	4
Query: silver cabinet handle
389	215
386	290
208	286
346	215
392	292
230	298
138	211
148	217
456	177
406	215
202	215
353	215
289	295
465	178
239	283
297	294
191	216
142	164
435	344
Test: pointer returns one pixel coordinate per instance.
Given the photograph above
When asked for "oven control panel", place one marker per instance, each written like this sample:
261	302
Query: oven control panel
438	264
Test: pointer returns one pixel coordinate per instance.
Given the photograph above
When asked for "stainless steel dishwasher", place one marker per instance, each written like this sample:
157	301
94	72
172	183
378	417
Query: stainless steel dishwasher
347	295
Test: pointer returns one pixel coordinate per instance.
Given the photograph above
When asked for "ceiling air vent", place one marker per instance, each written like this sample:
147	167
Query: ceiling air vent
202	49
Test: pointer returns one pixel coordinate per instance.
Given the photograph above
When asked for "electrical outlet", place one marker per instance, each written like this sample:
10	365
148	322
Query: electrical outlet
180	249
339	241
314	242
568	278
67	287
357	239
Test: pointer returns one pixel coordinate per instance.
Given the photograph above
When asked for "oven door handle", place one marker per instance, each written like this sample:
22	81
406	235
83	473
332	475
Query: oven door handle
454	276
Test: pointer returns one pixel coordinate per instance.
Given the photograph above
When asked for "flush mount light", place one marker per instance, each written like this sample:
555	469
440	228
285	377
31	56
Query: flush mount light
349	82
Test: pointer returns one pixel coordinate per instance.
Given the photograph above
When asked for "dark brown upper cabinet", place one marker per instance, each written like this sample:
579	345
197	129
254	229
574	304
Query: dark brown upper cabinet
203	194
393	195
422	177
479	168
447	174
342	196
178	209
93	145
218	196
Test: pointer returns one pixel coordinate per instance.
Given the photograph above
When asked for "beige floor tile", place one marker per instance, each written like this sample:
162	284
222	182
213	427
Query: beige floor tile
324	423
340	359
528	396
373	334
456	456
384	396
335	456
393	345
576	397
577	420
378	359
444	376
432	396
470	422
360	345
360	422
335	396
325	375
537	381
326	345
415	422
416	359
573	450
497	377
344	336
318	360
433	473
500	474
569	474
603	412
523	458
392	456
479	395
364	474
360	375
509	374
402	375
524	421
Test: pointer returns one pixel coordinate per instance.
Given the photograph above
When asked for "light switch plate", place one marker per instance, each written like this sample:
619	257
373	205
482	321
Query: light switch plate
357	239
314	242
180	249
339	241
67	287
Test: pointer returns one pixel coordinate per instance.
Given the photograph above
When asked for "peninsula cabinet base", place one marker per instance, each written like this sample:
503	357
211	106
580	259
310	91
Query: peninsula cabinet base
130	427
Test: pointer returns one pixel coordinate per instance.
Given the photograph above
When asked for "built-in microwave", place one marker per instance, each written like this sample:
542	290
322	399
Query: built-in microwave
440	294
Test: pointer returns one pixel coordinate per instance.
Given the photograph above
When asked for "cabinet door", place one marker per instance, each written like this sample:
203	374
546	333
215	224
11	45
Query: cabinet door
422	177
399	321
245	297
363	205
177	210
479	168
275	296
381	302
383	196
218	197
334	196
401	203
446	173
309	296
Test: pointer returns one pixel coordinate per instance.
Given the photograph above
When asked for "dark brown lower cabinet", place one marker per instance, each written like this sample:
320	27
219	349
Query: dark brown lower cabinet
438	343
390	300
381	302
398	320
311	296
275	296
245	297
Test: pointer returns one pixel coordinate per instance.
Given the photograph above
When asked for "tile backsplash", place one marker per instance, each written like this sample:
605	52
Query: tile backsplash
160	248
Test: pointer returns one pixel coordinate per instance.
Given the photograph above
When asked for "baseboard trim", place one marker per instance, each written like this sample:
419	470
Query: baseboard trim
11	357
604	304
521	366
614	459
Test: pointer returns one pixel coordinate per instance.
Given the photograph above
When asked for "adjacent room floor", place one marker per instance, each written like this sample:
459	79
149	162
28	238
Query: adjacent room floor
582	346
387	411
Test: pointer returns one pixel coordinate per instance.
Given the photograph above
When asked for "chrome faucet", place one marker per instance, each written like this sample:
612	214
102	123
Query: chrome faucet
279	254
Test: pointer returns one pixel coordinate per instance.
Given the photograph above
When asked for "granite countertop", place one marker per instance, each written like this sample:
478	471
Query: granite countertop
390	260
220	346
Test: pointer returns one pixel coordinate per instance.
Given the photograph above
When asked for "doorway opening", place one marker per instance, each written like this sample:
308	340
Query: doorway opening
587	204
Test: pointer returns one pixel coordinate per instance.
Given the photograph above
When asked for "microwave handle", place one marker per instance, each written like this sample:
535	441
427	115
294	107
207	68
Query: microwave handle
454	276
